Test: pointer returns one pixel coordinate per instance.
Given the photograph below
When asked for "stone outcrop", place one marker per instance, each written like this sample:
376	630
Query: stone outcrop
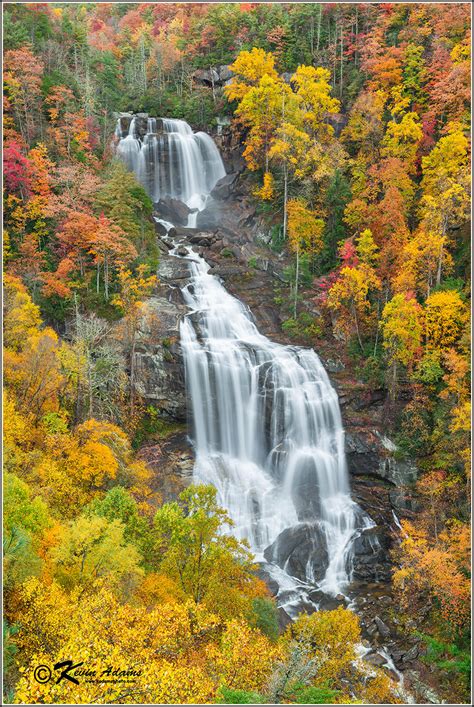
159	374
173	210
216	76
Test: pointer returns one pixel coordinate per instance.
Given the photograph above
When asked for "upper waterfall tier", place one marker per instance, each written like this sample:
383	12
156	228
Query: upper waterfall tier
170	160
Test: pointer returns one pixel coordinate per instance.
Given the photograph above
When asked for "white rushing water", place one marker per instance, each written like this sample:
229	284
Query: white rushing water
268	435
266	421
172	161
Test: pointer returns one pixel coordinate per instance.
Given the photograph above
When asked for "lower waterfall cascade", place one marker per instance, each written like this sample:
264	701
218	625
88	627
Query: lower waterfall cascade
268	435
266	423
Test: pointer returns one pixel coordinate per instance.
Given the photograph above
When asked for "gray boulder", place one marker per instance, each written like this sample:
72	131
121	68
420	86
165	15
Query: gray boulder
173	210
295	547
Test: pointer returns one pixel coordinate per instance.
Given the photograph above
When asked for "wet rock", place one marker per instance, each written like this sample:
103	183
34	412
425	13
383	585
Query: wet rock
160	228
370	561
305	491
284	619
411	655
164	245
326	602
382	627
173	210
263	574
223	188
299	548
375	658
202	238
172	270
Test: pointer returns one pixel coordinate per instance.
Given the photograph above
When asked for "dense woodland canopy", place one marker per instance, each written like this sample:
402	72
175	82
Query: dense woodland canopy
355	124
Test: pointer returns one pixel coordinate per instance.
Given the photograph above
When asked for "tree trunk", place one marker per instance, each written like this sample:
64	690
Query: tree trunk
440	266
132	376
342	59
297	277
319	28
89	385
285	199
106	278
356	322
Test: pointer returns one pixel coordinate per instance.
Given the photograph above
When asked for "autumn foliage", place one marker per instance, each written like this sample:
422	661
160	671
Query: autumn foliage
354	126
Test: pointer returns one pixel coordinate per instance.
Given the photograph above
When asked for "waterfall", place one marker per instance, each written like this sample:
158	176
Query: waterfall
268	435
266	423
172	161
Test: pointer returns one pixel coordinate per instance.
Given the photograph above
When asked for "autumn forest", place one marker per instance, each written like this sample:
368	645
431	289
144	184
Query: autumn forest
343	225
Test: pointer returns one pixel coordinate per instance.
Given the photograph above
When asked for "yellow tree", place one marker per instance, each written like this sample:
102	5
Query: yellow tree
21	317
349	299
134	288
314	93
304	235
94	548
331	637
289	148
446	315
418	261
249	68
210	566
35	373
366	248
262	110
402	139
402	327
445	187
243	659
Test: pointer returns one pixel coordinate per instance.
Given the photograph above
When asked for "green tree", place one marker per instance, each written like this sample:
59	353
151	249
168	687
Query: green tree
209	565
127	204
414	76
336	199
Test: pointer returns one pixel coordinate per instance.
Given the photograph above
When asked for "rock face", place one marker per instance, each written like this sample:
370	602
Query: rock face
371	562
369	453
172	461
159	374
223	188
